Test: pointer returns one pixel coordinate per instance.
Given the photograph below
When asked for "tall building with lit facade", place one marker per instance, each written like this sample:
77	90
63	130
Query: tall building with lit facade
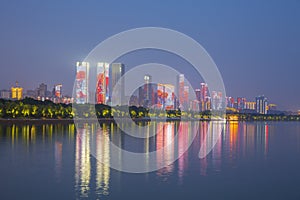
16	92
102	90
81	84
216	100
229	102
147	93
58	91
261	105
250	105
204	98
117	71
42	90
240	103
180	89
5	94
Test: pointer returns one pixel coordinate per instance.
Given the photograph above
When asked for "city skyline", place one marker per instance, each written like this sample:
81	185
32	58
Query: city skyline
162	95
256	54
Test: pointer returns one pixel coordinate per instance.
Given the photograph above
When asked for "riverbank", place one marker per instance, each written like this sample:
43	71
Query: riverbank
136	120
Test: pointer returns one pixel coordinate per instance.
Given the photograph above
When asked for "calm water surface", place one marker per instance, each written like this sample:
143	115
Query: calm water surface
251	160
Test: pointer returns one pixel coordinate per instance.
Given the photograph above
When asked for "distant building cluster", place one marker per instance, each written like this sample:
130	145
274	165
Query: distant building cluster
261	105
150	95
159	95
41	93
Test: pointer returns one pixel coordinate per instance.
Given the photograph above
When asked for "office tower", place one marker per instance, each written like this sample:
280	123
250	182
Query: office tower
186	90
180	89
16	92
229	102
102	95
41	91
117	71
204	98
58	91
241	103
147	91
250	105
81	86
261	105
160	95
204	92
165	96
5	94
198	94
169	96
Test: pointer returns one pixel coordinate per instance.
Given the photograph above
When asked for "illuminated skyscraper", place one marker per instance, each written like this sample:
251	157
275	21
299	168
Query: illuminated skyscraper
102	95
204	98
180	89
261	105
186	90
81	86
165	96
117	71
16	92
198	94
204	92
241	102
147	91
58	91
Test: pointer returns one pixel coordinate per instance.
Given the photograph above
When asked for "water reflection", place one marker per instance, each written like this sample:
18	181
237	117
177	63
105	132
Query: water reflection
239	141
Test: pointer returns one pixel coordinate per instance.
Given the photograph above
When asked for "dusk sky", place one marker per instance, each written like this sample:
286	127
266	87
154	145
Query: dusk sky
255	44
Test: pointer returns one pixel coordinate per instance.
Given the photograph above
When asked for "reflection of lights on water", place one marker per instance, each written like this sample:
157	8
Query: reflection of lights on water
82	161
164	137
83	165
103	160
58	158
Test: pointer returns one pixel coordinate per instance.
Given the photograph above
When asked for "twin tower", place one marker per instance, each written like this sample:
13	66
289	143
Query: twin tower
107	76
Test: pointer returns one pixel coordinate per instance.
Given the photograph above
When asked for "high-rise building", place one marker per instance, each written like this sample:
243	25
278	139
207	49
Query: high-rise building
169	97
117	71
229	102
241	101
16	92
58	91
204	92
166	96
198	94
204	98
102	95
41	91
186	91
147	91
261	105
5	94
250	105
81	87
180	89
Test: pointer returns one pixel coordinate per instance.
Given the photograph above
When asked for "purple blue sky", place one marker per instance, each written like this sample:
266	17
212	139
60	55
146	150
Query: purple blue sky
255	44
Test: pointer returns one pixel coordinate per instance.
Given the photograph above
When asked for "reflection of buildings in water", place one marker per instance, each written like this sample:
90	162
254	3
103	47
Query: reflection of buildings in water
262	137
246	139
58	158
164	151
183	137
210	140
82	161
216	128
86	137
203	132
249	139
103	160
233	140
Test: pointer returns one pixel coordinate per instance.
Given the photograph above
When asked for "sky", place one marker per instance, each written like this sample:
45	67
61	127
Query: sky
255	44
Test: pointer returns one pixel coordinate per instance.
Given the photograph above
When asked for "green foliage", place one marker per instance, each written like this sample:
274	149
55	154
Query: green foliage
30	108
